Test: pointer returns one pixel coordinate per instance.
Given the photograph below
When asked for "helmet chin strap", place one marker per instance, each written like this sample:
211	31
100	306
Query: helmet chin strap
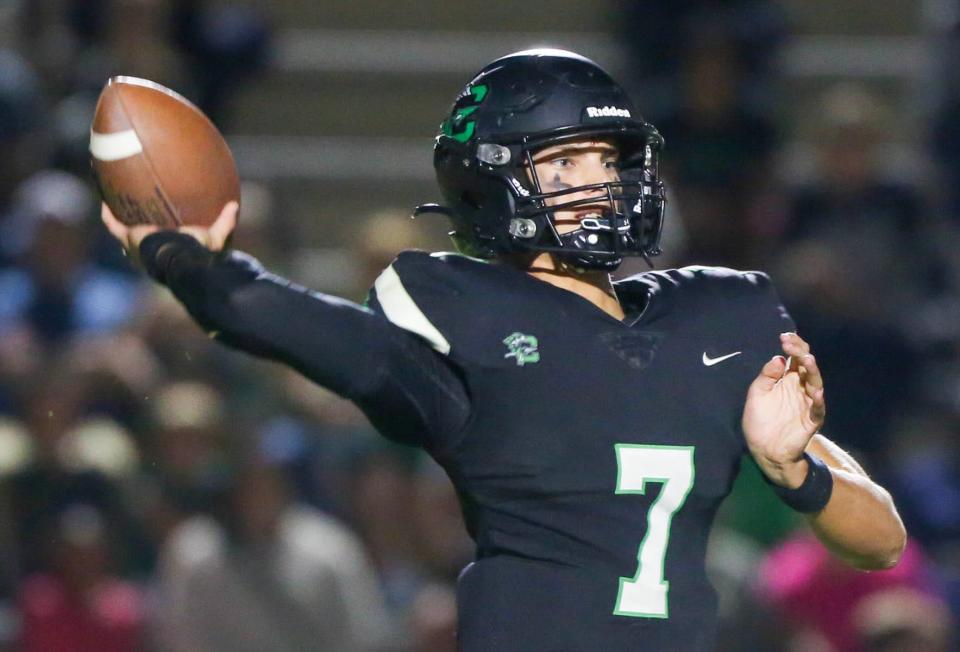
577	243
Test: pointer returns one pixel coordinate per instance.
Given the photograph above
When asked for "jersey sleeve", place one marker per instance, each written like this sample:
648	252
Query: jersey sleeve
409	392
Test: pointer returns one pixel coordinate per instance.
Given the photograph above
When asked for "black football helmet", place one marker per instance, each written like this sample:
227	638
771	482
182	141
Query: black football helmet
483	158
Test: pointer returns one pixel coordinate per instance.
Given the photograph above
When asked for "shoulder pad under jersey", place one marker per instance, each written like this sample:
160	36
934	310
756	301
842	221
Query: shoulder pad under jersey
701	284
747	299
444	298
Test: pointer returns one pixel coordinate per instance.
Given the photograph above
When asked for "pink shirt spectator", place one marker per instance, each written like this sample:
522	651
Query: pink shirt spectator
111	619
815	592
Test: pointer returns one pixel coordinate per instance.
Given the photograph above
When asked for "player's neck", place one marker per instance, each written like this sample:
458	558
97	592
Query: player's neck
592	285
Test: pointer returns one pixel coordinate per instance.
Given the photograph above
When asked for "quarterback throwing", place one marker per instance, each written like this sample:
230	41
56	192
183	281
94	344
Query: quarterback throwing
591	428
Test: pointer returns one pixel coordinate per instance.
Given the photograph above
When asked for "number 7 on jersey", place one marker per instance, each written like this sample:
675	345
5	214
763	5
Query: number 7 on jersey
645	594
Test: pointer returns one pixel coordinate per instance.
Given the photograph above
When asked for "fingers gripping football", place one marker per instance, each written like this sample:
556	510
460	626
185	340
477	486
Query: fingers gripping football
129	237
214	237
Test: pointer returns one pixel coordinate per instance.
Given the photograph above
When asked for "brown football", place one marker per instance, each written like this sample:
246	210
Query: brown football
157	158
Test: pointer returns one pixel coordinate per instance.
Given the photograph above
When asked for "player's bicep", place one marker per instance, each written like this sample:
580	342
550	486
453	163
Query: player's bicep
417	396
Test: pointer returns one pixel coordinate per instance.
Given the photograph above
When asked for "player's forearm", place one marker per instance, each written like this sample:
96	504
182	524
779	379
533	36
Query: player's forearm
860	523
328	339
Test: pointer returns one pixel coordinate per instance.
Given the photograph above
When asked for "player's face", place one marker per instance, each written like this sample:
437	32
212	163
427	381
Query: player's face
573	164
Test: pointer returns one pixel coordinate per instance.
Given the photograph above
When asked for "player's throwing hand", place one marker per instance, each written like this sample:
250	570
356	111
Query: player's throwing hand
784	410
213	238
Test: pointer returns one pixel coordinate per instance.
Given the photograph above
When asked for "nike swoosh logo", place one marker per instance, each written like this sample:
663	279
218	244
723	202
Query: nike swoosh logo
709	362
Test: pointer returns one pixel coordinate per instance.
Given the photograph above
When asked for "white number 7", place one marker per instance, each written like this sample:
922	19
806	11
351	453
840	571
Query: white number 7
645	594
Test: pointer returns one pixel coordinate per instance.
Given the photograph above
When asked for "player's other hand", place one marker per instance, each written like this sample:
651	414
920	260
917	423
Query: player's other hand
213	237
784	410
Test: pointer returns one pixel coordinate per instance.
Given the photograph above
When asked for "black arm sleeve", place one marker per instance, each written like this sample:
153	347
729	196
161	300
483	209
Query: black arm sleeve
407	390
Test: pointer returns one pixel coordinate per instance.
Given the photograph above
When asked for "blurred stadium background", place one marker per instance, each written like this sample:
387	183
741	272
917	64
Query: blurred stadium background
158	492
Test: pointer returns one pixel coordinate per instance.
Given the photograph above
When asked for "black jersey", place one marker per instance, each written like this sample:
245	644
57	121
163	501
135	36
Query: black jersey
596	451
590	454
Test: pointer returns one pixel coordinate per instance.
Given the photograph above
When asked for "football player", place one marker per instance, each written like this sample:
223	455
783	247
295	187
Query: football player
591	428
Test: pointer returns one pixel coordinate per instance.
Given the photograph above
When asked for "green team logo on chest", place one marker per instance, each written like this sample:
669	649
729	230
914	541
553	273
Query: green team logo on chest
523	348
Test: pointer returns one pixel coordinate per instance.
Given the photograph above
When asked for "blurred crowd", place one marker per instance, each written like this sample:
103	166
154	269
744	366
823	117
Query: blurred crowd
160	492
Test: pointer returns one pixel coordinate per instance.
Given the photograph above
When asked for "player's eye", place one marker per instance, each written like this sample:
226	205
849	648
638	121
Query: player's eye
562	162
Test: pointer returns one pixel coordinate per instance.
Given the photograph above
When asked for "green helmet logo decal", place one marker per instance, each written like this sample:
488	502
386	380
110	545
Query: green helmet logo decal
460	126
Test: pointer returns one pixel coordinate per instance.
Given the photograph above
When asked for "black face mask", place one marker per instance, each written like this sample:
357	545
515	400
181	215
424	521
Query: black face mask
629	222
629	225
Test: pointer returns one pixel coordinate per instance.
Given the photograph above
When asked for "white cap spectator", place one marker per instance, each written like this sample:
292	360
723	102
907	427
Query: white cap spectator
189	405
46	195
102	445
16	447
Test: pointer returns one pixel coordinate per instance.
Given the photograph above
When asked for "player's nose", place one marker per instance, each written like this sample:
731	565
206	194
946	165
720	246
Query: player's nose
593	183
600	172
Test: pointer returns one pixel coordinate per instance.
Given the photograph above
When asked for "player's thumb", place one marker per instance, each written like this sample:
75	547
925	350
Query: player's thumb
224	225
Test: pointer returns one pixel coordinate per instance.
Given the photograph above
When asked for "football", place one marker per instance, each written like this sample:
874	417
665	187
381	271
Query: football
157	158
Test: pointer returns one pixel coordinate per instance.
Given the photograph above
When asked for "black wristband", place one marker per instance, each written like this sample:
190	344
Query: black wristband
158	249
814	494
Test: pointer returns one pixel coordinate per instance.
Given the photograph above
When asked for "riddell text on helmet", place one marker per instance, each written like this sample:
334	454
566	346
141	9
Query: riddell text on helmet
607	112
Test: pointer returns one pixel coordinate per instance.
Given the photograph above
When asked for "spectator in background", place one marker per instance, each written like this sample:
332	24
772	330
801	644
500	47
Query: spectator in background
16	453
296	579
720	155
850	232
381	490
925	481
862	354
659	35
181	349
903	620
824	605
21	357
704	69
190	444
56	290
945	127
77	604
853	197
443	546
383	234
55	479
23	137
224	44
117	372
76	44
